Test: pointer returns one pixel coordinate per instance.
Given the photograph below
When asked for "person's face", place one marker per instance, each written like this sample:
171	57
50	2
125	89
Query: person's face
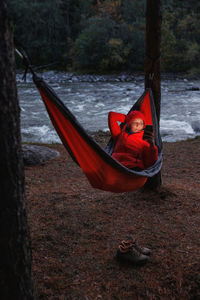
137	125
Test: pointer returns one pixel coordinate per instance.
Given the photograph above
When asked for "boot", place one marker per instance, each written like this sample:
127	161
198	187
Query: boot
128	254
133	243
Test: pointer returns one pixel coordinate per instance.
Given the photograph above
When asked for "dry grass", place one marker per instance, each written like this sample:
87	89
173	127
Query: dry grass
75	231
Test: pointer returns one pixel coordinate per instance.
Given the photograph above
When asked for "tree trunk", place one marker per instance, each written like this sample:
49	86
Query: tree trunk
15	252
152	65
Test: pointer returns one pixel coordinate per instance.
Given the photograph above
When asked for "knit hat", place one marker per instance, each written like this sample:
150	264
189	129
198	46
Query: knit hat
135	114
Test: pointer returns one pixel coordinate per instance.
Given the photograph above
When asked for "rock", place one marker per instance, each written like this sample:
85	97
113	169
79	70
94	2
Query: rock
196	126
34	155
193	88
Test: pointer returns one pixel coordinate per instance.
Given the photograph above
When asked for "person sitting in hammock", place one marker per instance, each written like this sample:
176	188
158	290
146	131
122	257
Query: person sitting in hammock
131	150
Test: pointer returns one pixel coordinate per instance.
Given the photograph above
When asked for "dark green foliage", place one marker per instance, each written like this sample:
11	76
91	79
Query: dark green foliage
133	12
107	35
181	36
107	45
92	45
38	26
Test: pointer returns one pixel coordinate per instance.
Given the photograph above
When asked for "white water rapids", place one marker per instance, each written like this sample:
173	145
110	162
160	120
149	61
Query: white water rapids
90	102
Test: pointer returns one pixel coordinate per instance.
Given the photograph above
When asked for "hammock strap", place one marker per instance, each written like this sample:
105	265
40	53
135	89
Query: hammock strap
25	59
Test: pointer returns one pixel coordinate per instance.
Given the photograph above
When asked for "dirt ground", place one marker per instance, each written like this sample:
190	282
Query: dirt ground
75	231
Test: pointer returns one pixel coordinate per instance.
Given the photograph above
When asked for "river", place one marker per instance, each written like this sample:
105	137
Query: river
91	98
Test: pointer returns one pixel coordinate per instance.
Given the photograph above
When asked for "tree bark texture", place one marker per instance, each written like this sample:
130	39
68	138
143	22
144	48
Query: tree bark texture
152	64
15	252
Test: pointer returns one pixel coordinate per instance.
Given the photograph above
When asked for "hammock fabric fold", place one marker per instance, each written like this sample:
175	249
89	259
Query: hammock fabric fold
102	171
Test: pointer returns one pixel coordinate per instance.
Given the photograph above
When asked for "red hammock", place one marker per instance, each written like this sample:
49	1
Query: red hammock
102	171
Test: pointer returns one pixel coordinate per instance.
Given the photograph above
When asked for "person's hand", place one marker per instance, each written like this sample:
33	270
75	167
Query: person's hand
149	137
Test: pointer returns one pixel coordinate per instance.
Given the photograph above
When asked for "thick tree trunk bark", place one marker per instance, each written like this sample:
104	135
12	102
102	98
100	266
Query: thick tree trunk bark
15	253
152	65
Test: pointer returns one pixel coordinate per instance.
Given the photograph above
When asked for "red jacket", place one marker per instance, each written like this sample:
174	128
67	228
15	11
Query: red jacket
130	148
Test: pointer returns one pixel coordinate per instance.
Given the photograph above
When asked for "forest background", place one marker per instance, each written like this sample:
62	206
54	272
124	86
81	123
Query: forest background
103	36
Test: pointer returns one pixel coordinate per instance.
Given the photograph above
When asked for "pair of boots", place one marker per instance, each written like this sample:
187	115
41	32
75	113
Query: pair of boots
131	252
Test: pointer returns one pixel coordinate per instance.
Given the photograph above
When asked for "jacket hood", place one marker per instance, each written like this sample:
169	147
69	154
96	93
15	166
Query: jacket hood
135	114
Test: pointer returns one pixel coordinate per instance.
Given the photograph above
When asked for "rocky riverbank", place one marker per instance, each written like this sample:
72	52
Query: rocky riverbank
63	77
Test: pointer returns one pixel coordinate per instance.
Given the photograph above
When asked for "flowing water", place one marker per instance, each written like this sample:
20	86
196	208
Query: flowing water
91	100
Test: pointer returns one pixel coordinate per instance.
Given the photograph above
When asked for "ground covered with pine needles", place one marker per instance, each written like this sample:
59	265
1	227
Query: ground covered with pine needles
75	231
